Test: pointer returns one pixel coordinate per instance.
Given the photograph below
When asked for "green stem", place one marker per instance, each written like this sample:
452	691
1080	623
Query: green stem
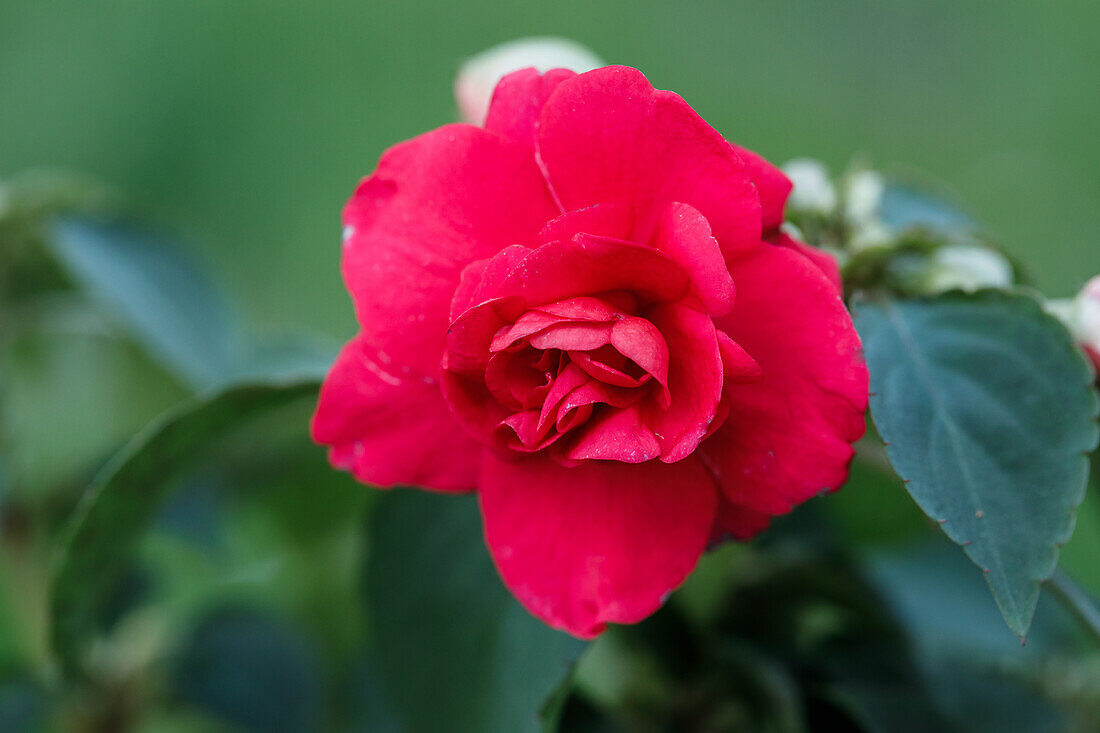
1077	601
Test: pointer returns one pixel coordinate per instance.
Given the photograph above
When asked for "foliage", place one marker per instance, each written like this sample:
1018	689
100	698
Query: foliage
989	414
492	664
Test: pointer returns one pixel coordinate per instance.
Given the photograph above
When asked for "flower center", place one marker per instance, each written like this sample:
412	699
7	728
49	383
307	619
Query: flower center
556	372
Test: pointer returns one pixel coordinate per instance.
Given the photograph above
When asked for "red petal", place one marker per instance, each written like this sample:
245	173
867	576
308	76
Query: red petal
685	236
582	309
617	435
515	381
821	259
570	378
737	365
463	377
771	183
529	323
470	337
694	381
517	103
789	436
640	341
594	391
388	427
604	542
605	220
608	136
480	279
586	265
604	372
735	522
521	431
579	336
435	204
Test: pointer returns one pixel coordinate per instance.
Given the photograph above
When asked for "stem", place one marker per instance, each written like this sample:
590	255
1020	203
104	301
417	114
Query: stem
1077	601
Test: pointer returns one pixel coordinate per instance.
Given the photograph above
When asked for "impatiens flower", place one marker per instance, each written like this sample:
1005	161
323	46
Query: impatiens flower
585	311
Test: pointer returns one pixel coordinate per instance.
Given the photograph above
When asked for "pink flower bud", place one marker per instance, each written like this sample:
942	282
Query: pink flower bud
1086	319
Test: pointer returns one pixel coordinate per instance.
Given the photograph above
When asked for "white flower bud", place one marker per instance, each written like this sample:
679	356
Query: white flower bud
813	191
862	197
1086	315
478	77
968	267
1063	309
872	234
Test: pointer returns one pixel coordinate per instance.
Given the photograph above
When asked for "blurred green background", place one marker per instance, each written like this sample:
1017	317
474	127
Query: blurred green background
249	122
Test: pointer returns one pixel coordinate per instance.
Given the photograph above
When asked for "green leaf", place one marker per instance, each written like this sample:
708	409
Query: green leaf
753	692
930	588
169	305
988	412
811	607
550	714
24	706
163	298
369	709
125	499
904	206
456	650
254	670
977	672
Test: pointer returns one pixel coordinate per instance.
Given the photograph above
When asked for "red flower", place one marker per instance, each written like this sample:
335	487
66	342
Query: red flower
586	312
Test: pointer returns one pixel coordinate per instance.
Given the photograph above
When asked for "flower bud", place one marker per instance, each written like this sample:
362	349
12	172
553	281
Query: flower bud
813	191
1086	319
478	77
872	234
862	197
968	267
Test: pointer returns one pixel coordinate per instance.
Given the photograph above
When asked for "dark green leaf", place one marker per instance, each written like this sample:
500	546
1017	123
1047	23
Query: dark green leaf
976	671
168	304
810	612
24	706
931	589
988	411
163	298
984	699
125	499
903	207
369	710
553	707
285	357
456	650
258	672
752	691
876	706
